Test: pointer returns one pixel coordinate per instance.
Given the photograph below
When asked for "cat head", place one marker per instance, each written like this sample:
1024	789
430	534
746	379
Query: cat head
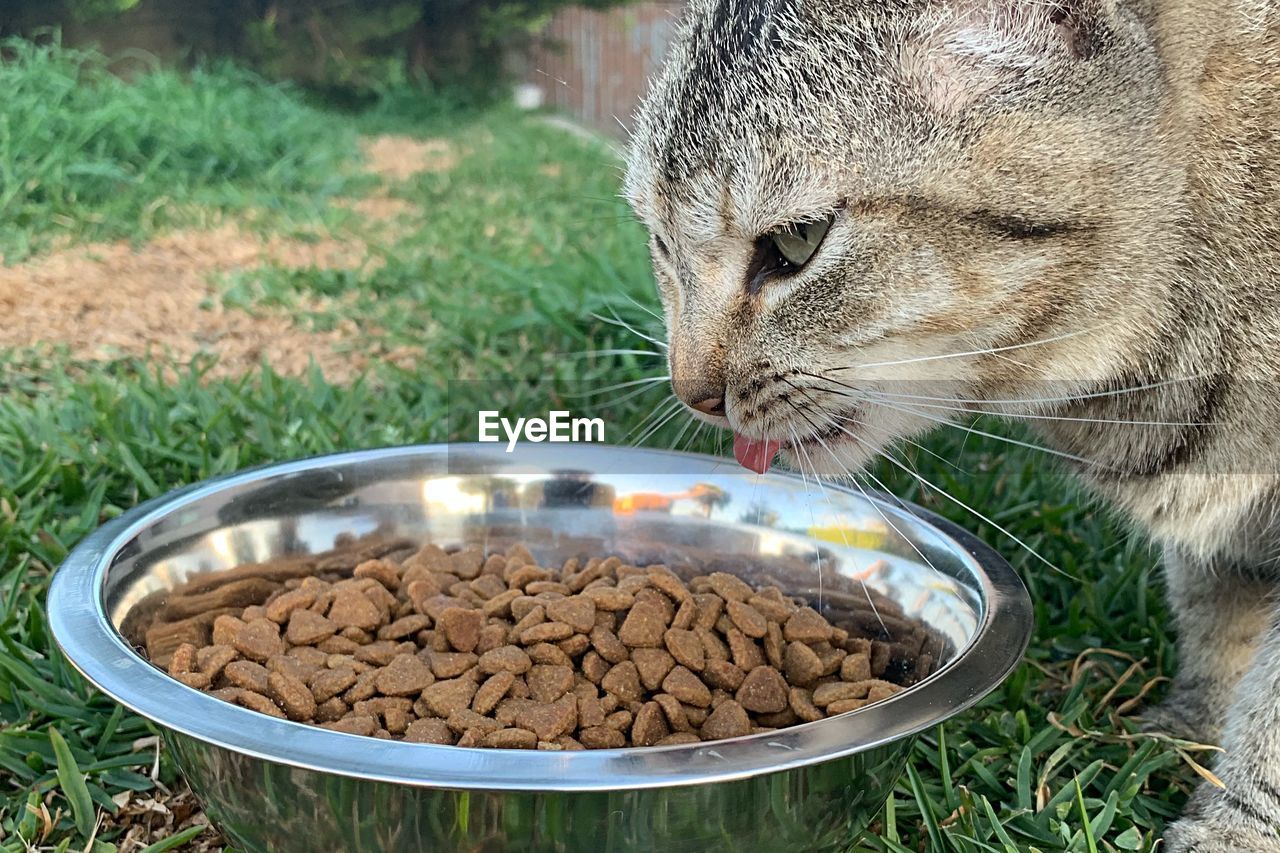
848	199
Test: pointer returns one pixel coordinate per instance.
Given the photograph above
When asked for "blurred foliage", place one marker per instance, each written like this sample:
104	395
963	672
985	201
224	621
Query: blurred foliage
351	46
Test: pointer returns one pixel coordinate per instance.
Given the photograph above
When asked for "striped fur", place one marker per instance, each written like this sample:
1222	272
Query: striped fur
1083	195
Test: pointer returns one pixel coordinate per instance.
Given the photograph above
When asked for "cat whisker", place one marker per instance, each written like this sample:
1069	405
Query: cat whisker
944	493
621	323
647	381
1092	463
966	409
645	308
659	421
598	352
978	352
1092	395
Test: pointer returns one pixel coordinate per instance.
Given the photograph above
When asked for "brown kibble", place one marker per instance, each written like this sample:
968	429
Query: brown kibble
801	664
328	683
710	606
713	647
666	582
279	609
724	675
685	647
461	627
607	644
183	660
644	626
405	626
728	720
380	570
602	737
505	659
842	706
291	695
806	625
259	640
353	609
491	692
378	653
246	674
578	612
747	618
255	701
687	687
546	632
729	587
466	564
331	709
307	628
225	629
882	690
594	667
880	656
650	725
196	680
763	691
551	720
609	598
623	681
801	703
445	697
511	739
406	675
464	720
575	645
450	664
773	608
549	683
774	645
825	694
855	668
679	738
746	654
673	710
430	730
496	651
653	665
549	654
354	725
211	660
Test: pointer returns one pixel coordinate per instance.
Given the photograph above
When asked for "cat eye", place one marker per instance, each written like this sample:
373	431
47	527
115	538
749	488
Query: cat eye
797	243
786	249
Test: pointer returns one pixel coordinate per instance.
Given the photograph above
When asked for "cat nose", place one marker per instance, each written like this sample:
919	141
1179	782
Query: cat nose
701	395
713	406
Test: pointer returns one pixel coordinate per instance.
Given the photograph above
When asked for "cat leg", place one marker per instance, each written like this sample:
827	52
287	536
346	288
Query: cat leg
1243	815
1219	617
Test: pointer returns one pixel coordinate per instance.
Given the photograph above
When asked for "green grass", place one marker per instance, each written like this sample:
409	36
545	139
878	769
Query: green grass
85	155
517	247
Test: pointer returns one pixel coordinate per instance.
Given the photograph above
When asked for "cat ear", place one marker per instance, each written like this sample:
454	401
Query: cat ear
966	49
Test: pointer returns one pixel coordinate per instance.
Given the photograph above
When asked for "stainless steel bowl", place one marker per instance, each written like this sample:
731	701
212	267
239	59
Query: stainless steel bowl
274	785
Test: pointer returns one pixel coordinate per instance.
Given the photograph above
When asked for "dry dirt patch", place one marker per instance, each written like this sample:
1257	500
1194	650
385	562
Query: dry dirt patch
398	158
105	300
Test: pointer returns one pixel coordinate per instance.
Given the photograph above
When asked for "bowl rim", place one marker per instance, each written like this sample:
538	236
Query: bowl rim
82	630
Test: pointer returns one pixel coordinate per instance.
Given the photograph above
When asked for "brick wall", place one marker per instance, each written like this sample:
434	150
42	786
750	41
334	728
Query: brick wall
597	64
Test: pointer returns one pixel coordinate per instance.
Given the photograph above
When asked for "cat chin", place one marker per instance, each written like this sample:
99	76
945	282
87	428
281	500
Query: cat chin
835	459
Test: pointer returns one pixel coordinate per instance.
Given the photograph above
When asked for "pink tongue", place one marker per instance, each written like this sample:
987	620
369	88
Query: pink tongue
754	454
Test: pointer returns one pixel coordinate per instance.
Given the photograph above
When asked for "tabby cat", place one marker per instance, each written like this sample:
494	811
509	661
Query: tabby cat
1064	211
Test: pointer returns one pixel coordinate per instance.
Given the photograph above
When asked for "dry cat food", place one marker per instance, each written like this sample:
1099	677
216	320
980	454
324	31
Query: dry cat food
494	650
